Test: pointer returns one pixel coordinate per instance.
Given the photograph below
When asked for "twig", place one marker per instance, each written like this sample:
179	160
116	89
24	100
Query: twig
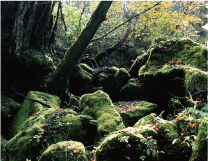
33	100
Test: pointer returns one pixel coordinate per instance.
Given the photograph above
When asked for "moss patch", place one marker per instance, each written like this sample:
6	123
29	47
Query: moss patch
63	151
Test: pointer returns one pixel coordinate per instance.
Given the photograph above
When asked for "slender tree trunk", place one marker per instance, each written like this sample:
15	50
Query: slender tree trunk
57	82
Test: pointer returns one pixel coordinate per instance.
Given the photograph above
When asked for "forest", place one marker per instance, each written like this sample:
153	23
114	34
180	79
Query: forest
104	80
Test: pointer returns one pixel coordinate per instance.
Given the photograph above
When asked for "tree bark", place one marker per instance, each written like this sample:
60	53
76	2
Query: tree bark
57	82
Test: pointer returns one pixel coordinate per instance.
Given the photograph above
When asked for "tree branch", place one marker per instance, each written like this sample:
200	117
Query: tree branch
126	21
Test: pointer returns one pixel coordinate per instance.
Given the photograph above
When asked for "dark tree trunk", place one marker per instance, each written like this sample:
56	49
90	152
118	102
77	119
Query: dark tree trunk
57	82
25	40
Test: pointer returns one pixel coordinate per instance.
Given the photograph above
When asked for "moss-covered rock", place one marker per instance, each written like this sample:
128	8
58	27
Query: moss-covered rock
103	111
141	110
130	91
31	107
138	63
166	127
200	145
158	87
121	78
9	109
180	51
79	79
86	67
114	69
105	81
80	75
66	150
122	145
37	62
46	128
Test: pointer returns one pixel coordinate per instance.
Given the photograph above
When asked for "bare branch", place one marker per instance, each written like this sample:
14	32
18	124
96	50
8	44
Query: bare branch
126	21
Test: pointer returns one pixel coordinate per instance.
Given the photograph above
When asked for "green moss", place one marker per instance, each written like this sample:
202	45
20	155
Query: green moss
149	119
142	109
185	51
162	84
121	78
122	145
104	81
172	131
108	119
138	63
114	69
30	107
70	150
9	109
86	67
200	145
75	127
148	130
37	62
43	129
81	75
130	92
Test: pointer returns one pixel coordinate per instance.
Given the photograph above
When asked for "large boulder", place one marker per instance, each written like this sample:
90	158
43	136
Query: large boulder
142	109
168	129
30	107
79	79
120	79
100	107
45	128
126	144
9	109
130	91
171	70
65	150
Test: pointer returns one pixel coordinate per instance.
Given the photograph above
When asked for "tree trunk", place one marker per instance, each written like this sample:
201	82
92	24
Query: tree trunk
57	82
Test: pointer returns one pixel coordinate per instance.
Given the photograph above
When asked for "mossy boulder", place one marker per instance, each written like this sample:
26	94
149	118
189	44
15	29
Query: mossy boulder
79	79
142	109
122	145
45	128
159	86
138	63
65	150
167	127
36	61
31	107
86	67
130	91
180	51
9	109
120	79
200	145
105	81
108	120
114	69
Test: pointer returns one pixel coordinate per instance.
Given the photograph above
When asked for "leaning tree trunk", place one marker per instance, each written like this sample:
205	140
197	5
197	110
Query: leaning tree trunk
57	82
